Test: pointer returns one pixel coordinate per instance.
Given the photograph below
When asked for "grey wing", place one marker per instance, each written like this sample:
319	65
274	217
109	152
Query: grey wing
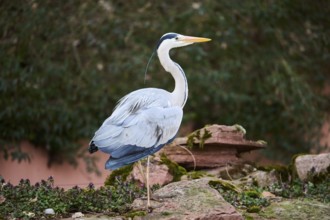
139	126
146	129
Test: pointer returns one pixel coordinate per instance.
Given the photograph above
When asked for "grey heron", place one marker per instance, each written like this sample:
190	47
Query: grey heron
146	119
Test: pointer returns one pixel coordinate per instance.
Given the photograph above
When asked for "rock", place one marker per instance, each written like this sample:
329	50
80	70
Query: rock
271	197
212	146
193	199
234	171
310	166
296	209
258	178
49	211
77	215
267	195
29	214
158	173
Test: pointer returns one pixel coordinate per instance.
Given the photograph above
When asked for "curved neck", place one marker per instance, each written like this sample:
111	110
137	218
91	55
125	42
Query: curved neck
180	92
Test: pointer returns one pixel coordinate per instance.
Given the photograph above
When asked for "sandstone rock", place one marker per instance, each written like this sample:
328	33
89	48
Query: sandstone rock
235	171
259	178
193	199
213	146
158	173
309	166
267	195
77	215
271	197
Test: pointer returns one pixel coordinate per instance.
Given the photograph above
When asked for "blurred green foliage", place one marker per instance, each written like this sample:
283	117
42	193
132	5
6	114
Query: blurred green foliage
64	65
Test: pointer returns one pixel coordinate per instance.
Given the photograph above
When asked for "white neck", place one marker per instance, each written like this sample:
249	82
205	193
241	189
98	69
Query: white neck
180	93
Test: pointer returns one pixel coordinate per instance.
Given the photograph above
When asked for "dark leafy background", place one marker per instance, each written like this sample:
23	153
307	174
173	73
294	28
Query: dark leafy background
64	65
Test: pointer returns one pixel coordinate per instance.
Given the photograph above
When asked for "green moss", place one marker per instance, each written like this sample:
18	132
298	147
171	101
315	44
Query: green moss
196	174
121	172
282	171
165	213
247	217
250	200
240	128
252	194
132	214
262	142
254	209
255	182
174	169
198	136
225	185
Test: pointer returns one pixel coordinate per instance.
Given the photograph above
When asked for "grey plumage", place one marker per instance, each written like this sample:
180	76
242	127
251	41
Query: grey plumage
147	119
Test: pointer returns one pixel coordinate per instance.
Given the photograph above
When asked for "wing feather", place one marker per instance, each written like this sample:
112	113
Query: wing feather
144	118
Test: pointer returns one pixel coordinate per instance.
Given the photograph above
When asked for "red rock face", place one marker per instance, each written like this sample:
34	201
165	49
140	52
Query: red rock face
213	146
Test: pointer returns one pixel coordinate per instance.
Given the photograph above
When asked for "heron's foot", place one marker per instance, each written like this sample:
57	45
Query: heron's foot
150	209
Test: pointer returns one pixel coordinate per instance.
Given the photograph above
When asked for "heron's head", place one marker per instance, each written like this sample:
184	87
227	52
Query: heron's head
173	40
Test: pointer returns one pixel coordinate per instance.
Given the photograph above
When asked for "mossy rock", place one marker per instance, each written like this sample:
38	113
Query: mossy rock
132	214
240	128
200	135
292	168
296	209
248	217
197	175
254	209
319	178
175	169
252	193
309	174
122	173
282	172
226	185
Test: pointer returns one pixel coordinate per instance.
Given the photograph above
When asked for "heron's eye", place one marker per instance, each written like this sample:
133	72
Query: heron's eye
176	38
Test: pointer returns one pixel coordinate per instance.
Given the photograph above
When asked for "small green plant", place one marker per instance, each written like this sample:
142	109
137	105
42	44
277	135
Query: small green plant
297	188
197	174
249	200
26	201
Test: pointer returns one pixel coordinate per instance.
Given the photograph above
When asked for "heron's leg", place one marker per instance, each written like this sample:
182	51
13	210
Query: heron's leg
141	172
148	186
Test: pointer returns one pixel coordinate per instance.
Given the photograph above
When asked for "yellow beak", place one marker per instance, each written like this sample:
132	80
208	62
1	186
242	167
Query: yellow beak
194	39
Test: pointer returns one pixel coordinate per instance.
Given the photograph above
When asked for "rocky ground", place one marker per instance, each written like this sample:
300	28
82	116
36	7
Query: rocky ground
210	182
195	199
198	195
226	187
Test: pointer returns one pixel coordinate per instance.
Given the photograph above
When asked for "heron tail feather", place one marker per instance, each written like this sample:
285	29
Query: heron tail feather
92	148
